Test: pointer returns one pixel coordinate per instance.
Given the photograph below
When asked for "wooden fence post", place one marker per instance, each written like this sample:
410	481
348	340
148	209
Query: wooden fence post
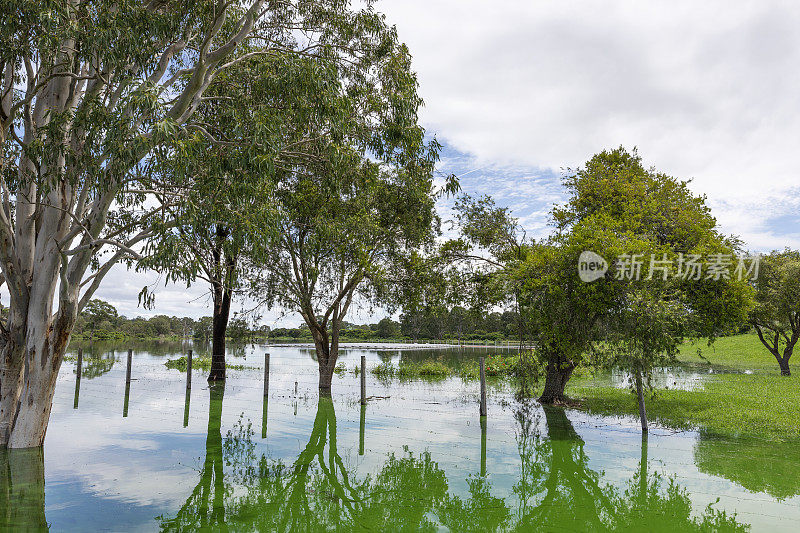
363	380
361	430
80	363
264	417
483	446
483	386
186	403
78	371
125	404
189	370
266	374
128	371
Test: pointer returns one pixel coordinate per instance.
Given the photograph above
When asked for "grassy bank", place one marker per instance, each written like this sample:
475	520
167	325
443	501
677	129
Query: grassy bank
735	405
737	351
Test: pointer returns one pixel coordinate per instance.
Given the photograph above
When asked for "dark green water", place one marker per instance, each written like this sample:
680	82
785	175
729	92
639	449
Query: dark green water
415	458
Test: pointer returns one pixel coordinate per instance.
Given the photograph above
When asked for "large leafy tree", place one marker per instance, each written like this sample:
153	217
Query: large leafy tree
350	215
776	314
87	90
256	123
616	207
619	208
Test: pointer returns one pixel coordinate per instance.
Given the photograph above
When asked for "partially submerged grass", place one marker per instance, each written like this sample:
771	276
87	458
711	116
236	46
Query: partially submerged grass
430	370
498	365
734	405
201	363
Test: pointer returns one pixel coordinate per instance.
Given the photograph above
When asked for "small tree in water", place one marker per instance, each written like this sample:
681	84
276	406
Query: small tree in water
645	335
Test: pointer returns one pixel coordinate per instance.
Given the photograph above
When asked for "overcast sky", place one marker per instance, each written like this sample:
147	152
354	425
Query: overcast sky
518	90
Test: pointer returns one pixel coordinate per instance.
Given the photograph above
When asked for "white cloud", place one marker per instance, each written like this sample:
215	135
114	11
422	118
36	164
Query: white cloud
706	91
521	89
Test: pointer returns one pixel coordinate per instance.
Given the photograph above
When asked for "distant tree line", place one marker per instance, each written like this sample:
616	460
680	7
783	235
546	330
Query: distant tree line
457	323
101	321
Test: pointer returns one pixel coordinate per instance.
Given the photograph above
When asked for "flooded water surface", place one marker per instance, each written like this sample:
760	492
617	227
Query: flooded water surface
416	457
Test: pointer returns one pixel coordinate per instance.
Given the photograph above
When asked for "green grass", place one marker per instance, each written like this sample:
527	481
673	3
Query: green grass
734	405
737	351
430	370
201	363
497	366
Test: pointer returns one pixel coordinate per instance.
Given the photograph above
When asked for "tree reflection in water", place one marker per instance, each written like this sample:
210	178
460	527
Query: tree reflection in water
556	488
241	491
22	490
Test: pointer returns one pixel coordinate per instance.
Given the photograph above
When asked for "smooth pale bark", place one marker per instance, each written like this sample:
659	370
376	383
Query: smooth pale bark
55	233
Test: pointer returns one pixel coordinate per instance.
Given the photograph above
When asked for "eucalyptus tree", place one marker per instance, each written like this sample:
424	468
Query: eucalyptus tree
349	217
260	121
223	178
776	314
87	90
340	236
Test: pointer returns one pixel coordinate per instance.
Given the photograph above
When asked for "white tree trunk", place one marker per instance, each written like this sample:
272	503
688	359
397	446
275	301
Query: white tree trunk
53	216
30	358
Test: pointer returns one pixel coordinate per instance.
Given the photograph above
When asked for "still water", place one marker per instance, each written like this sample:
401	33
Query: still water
415	458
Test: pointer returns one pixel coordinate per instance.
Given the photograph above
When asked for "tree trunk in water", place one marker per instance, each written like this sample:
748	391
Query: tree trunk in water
640	397
22	490
326	367
327	348
327	355
30	358
222	309
556	378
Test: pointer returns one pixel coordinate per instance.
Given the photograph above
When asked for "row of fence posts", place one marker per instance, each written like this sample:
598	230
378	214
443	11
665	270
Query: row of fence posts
363	376
79	372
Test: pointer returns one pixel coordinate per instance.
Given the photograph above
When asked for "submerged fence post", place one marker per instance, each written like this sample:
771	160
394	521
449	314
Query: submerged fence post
189	370
264	417
483	386
363	380
483	447
80	363
186	406
128	371
125	404
361	430
266	374
78	378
